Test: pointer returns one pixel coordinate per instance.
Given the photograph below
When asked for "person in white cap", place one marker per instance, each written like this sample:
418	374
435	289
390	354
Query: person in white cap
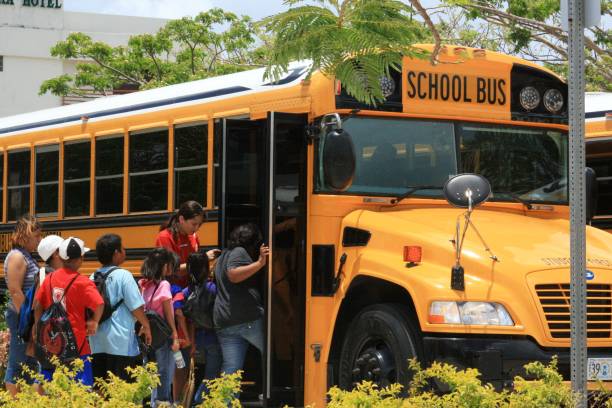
77	294
48	249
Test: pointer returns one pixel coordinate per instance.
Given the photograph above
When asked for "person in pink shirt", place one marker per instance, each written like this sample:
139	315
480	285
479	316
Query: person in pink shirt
158	298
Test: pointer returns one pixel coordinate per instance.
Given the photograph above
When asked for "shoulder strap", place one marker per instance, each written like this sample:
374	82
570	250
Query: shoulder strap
68	287
153	294
107	273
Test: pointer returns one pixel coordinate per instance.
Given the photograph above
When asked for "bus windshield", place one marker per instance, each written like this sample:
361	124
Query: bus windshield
396	155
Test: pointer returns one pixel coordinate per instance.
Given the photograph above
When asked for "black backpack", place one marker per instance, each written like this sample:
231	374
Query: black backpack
199	307
54	335
100	282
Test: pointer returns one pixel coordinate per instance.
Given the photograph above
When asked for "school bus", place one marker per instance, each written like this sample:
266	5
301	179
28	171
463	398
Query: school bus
368	268
598	136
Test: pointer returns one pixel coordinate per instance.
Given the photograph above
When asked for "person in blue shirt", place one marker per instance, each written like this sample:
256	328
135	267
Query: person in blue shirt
115	346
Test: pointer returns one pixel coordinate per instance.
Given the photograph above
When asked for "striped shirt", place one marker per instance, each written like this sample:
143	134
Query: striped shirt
31	269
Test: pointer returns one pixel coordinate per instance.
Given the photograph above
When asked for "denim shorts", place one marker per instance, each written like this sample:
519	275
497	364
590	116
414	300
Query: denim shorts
17	353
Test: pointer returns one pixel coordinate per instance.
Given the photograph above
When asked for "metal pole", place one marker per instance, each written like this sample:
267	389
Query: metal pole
577	201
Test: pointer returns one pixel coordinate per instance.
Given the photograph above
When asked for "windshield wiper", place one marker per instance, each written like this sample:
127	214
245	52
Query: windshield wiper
411	191
516	198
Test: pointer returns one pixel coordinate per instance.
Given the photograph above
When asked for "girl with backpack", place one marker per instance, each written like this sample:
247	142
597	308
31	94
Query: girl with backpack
20	272
205	339
179	235
158	299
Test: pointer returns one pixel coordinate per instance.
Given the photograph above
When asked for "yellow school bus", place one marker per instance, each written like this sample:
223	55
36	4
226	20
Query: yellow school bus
370	264
598	135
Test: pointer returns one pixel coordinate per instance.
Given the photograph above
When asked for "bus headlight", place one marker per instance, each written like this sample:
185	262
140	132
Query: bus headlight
553	100
476	313
529	98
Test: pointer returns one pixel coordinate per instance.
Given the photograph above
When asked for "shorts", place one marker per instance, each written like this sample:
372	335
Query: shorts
84	376
102	363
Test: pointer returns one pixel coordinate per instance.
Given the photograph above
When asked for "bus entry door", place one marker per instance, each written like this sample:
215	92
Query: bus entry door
286	277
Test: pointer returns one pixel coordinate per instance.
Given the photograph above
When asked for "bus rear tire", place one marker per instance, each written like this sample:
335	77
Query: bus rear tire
377	346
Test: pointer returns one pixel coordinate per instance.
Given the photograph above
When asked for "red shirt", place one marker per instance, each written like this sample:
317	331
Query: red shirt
182	246
82	295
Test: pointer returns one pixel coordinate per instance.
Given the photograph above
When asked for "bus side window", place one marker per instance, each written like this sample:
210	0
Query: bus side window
148	170
77	156
190	163
109	175
46	181
18	184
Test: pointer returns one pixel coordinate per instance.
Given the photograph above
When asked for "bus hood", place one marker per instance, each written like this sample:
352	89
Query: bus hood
520	242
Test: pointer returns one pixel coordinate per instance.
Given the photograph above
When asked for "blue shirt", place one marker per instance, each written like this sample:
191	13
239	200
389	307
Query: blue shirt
116	334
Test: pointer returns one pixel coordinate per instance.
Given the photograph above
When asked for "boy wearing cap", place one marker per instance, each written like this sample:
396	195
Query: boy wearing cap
48	249
81	296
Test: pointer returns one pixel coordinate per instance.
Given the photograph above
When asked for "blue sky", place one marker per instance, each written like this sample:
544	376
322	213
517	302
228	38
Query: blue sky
175	8
256	9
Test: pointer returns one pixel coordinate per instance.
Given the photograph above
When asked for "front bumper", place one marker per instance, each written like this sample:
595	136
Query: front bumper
499	359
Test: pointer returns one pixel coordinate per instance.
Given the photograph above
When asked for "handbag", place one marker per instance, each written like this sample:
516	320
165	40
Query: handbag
160	330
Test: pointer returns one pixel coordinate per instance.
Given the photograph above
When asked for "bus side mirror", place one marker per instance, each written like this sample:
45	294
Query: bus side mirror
467	190
591	194
338	160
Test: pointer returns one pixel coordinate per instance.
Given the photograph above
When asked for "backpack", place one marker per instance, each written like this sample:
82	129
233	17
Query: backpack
100	282
26	311
199	307
54	335
160	330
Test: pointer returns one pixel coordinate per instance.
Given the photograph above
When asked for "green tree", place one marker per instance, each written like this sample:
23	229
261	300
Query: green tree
356	41
212	43
531	29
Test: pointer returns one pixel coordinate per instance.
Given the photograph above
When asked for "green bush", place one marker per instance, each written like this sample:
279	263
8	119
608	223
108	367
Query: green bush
544	389
465	390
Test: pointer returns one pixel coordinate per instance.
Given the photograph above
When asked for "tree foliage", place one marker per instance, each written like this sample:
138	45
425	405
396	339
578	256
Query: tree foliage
356	41
531	29
212	43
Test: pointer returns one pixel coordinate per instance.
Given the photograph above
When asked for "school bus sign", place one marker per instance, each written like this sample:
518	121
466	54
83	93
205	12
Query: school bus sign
452	87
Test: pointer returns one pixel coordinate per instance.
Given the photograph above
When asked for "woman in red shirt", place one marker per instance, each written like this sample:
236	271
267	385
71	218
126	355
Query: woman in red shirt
178	235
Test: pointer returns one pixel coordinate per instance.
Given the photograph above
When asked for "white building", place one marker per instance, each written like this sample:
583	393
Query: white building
28	30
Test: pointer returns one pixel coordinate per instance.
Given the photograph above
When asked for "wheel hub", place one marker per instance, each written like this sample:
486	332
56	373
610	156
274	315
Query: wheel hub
374	363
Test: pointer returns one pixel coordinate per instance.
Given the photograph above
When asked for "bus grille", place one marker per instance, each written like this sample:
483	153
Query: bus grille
555	302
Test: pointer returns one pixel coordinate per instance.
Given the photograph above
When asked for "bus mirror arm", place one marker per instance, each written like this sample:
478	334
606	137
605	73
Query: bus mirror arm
339	274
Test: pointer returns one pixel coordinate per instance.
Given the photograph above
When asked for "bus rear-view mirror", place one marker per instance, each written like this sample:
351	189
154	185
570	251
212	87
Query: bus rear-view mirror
338	160
467	190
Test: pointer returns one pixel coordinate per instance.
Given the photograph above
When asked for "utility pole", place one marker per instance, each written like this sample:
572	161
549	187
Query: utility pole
573	20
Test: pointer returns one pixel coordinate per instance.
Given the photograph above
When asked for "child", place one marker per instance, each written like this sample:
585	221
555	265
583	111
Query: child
158	298
77	295
206	340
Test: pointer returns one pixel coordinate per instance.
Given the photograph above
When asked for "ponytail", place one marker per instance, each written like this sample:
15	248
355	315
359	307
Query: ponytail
188	210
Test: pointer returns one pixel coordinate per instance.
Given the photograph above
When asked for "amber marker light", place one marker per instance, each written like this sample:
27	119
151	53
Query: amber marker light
412	254
338	87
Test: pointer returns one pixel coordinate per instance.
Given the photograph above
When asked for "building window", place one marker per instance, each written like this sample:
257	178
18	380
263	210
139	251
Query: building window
190	156
76	178
18	184
109	175
1	63
47	180
149	170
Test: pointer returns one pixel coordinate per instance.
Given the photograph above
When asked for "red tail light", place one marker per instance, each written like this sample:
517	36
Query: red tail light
338	87
412	254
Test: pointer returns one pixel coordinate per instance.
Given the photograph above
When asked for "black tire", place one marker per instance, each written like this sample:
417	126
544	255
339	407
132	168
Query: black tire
377	346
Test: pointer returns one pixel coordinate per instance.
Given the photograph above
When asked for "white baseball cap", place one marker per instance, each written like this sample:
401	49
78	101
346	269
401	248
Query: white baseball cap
72	248
48	245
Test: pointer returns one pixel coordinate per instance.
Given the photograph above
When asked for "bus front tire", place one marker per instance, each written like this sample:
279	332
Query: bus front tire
377	346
